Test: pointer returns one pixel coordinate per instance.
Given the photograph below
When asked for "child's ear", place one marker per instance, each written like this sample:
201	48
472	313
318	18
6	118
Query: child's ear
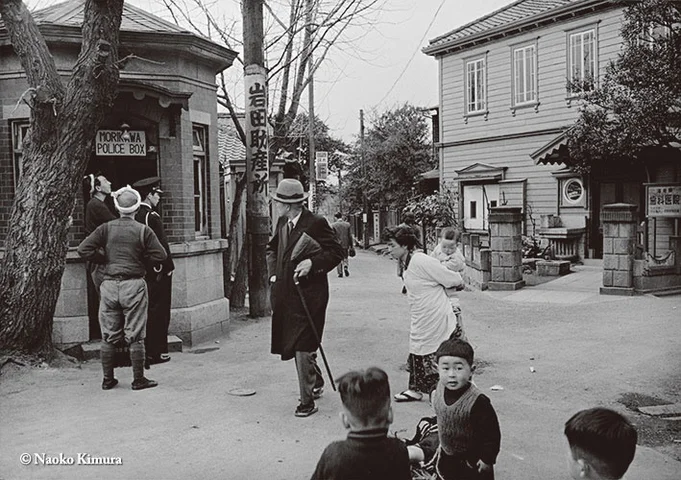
390	414
584	468
473	367
344	419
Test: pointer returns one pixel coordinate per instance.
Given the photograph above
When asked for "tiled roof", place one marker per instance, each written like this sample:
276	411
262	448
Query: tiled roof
134	19
231	152
518	11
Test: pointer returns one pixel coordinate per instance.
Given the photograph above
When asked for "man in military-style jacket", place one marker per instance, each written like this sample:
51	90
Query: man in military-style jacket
159	276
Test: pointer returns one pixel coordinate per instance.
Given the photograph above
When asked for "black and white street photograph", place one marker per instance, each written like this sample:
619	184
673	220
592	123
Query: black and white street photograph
340	239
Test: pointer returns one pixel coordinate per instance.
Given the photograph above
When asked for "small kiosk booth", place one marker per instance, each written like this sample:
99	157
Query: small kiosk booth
164	122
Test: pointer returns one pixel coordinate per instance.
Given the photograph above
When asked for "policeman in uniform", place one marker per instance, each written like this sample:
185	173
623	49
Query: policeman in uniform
159	277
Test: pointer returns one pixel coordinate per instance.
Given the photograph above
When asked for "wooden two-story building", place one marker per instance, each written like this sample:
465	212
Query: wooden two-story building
505	103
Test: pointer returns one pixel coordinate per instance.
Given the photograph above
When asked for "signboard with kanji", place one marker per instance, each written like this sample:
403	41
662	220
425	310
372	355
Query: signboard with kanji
322	165
663	200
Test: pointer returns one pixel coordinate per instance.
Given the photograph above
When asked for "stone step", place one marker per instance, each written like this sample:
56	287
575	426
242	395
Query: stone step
91	349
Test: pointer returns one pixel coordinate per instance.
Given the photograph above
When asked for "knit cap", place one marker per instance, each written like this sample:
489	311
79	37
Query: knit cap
126	199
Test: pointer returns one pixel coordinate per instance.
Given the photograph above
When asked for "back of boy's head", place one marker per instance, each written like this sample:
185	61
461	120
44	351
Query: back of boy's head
366	395
603	438
455	347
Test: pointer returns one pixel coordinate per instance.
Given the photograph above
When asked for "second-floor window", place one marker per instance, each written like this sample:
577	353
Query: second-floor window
581	60
524	75
476	101
19	132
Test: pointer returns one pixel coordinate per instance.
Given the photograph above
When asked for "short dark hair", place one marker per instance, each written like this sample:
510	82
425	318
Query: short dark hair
402	235
408	217
450	233
366	395
455	347
603	437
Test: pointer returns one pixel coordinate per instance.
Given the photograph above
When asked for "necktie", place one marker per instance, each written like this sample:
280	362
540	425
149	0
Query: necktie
286	231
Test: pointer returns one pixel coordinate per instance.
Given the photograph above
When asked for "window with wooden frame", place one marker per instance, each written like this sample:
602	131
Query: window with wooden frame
476	86
200	171
524	76
582	64
19	130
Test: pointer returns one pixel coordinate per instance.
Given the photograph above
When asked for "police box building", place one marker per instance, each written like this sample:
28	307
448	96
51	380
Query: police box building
163	123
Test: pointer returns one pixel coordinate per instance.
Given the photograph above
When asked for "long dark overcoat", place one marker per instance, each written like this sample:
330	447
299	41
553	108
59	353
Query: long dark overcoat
291	329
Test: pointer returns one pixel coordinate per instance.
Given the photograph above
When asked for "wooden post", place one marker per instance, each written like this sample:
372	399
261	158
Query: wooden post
257	164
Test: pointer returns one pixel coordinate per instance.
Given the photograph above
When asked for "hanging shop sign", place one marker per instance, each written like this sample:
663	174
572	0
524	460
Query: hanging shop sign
322	165
663	200
121	143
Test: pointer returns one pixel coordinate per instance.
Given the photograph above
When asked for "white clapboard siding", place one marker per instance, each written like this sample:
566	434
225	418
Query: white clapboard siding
475	139
553	111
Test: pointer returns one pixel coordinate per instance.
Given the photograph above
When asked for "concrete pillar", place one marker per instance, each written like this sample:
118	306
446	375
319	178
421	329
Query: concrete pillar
506	247
619	238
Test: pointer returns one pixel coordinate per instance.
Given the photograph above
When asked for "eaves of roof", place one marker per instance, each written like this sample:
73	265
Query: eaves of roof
483	30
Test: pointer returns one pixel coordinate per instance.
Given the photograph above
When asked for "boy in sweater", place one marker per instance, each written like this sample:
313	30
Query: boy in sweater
467	424
602	444
367	453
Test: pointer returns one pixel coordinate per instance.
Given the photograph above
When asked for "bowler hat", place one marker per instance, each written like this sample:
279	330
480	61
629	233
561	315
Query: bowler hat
290	190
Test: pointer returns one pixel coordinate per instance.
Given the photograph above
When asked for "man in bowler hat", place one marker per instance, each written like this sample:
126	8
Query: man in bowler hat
158	277
292	334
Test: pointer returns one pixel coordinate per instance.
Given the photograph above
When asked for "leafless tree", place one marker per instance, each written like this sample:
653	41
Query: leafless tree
63	124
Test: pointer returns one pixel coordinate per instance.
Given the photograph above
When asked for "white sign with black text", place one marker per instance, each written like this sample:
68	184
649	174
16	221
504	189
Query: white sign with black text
119	143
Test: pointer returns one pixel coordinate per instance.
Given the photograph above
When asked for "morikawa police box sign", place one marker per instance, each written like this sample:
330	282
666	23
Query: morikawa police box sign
115	143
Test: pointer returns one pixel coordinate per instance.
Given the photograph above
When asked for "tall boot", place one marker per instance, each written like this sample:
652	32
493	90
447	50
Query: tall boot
139	381
107	352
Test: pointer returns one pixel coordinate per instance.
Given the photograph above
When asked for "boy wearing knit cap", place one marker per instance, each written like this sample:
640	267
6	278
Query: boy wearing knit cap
467	424
125	247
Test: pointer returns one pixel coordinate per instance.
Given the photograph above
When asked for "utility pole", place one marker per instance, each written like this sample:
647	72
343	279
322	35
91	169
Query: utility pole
257	163
365	214
311	142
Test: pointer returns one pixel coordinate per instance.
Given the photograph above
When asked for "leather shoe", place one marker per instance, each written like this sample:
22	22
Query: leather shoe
143	383
109	383
306	410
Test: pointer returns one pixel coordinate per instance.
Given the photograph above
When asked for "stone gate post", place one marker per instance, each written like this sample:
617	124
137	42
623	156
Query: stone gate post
619	238
506	246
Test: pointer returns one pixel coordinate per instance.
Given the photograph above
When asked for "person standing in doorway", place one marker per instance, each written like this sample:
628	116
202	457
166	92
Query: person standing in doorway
159	277
342	229
124	247
97	211
302	251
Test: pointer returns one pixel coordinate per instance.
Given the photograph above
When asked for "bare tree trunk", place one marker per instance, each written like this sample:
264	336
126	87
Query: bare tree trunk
239	288
63	126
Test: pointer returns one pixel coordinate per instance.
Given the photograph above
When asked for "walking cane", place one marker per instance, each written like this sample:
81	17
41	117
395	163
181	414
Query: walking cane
314	330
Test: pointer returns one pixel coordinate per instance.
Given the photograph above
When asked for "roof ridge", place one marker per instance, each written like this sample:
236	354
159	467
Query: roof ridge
477	20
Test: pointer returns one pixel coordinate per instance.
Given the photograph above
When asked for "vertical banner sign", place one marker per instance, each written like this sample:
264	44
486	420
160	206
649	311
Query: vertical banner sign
256	132
322	164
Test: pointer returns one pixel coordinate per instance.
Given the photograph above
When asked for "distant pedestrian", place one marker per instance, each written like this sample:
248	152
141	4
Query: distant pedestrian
342	229
158	277
449	254
602	444
432	319
303	250
98	210
467	424
409	220
367	453
125	247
